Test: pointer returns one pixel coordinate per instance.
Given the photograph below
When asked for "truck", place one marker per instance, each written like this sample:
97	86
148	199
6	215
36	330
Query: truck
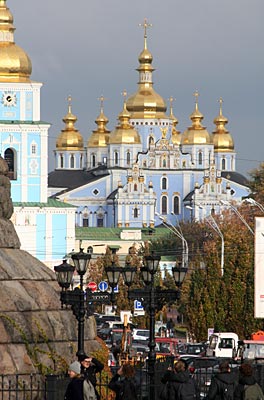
228	345
223	344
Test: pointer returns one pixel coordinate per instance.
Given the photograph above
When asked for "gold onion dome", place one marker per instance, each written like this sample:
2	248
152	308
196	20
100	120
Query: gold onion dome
69	138
221	138
15	65
100	136
175	134
124	133
146	103
197	133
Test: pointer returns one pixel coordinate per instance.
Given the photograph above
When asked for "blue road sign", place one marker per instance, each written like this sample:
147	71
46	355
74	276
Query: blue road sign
103	286
138	305
116	289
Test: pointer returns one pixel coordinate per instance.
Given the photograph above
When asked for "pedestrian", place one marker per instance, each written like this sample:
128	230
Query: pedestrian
247	387
74	389
124	383
180	385
90	366
223	384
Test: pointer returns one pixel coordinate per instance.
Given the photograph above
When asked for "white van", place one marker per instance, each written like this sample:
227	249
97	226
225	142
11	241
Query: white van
222	344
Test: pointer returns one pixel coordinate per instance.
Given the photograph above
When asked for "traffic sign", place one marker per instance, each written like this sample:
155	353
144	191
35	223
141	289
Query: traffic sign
103	286
92	286
138	305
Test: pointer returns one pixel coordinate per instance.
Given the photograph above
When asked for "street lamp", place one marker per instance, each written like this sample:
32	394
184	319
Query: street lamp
75	298
153	298
254	203
233	208
179	234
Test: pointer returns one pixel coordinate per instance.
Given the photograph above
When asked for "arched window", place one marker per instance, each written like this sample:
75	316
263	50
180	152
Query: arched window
128	157
164	162
61	161
72	161
223	163
100	221
81	161
164	205
116	158
135	213
9	157
164	183
176	205
200	158
135	187
93	160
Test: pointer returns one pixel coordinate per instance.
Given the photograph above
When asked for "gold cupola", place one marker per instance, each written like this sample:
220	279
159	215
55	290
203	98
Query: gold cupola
69	138
221	138
146	103
15	65
124	133
100	136
175	135
197	133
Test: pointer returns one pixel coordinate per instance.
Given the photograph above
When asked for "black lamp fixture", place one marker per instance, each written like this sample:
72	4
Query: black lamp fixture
75	298
179	273
64	274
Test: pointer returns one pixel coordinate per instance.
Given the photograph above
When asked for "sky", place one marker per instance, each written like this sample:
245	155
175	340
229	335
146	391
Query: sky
89	48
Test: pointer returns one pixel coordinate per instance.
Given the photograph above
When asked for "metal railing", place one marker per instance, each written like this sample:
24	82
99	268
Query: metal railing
53	387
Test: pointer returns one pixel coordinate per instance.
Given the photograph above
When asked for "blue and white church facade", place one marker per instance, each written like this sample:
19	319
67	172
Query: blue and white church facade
145	170
40	222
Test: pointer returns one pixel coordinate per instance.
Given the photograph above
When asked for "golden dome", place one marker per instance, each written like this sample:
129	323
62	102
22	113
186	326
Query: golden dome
197	133
100	136
221	138
69	138
15	65
146	103
124	133
175	135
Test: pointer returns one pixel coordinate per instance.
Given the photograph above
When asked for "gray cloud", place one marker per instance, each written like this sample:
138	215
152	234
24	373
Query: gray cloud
88	48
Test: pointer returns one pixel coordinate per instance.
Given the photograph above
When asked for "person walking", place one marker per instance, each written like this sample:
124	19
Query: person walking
180	385
124	383
90	366
223	384
74	389
247	387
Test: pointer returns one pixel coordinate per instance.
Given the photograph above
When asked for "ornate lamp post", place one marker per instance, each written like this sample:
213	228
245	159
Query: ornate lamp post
75	298
153	299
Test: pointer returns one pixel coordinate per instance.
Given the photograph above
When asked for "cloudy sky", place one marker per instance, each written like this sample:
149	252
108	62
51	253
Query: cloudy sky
89	48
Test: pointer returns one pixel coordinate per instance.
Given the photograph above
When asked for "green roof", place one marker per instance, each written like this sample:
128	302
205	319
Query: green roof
113	234
50	203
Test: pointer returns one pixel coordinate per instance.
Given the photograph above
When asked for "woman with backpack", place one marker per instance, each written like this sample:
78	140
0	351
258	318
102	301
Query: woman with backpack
223	384
247	387
179	384
124	383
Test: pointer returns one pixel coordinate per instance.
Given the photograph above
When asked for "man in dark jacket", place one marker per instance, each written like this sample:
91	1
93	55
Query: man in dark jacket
246	382
180	384
90	366
223	384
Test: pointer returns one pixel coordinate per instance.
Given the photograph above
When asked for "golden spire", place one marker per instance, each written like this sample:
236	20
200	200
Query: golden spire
100	136
124	133
145	25
15	65
69	138
197	133
146	103
196	116
222	139
175	134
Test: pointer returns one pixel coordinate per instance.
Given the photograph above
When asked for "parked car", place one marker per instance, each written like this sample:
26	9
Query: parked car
195	349
140	334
